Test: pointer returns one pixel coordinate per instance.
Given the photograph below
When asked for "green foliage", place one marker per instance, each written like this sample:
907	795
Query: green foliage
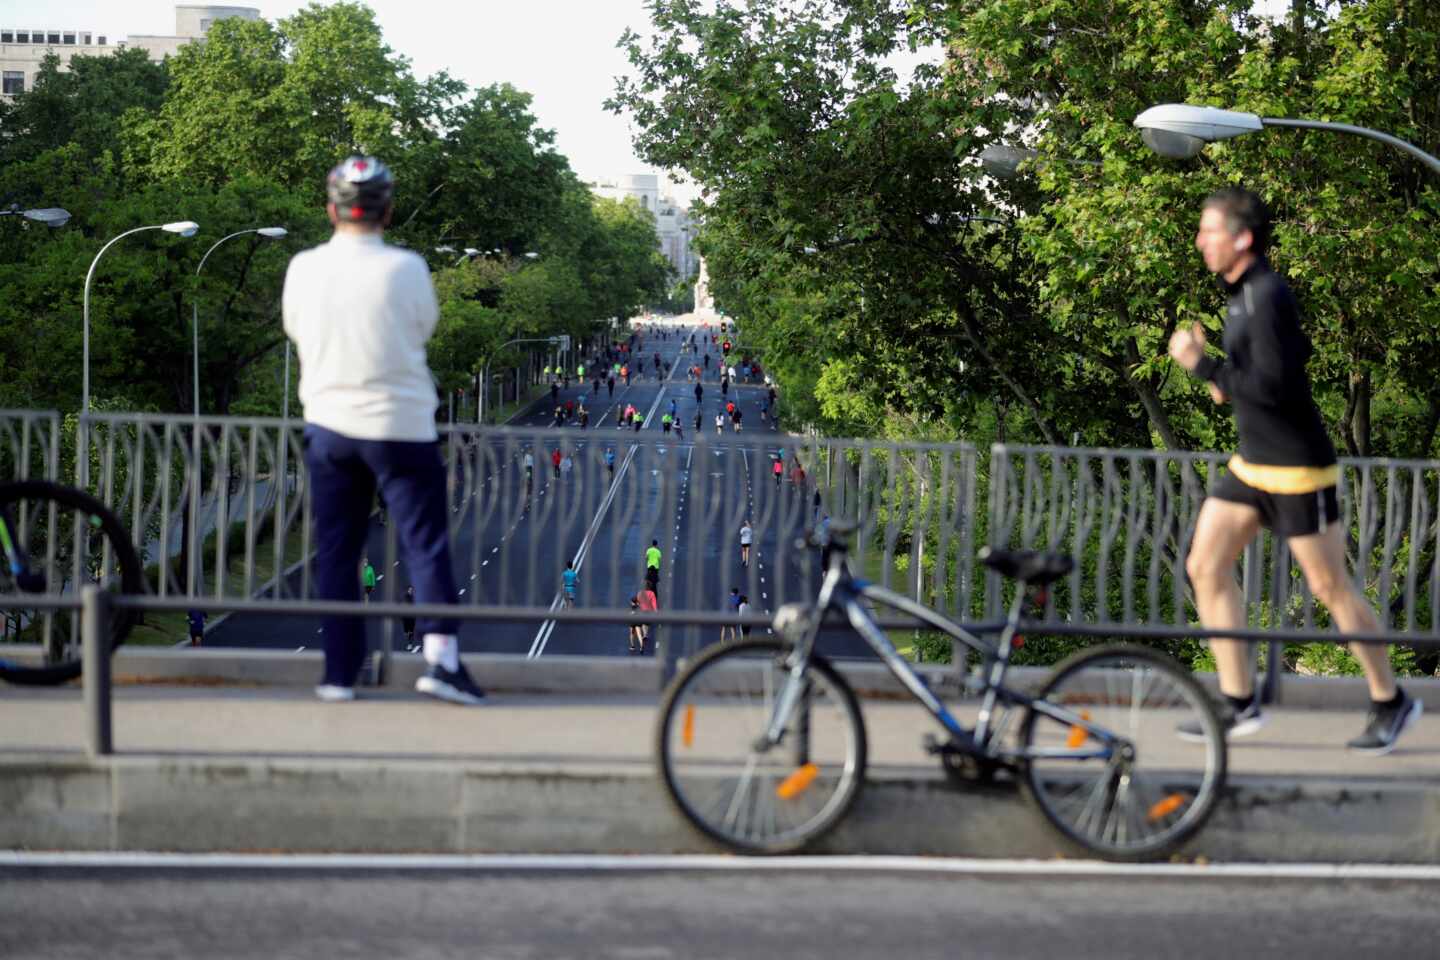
237	133
838	200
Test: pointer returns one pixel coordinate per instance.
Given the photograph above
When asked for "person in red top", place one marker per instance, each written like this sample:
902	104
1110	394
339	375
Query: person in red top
648	602
778	470
555	460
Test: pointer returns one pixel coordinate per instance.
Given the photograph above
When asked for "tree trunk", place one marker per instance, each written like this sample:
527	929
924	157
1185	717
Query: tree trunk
1150	399
1428	427
1357	427
976	338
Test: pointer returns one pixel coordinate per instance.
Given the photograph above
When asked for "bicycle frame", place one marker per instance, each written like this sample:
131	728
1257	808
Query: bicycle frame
842	592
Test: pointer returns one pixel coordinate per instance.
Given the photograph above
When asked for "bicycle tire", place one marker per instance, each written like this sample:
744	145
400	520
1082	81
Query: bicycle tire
835	806
124	561
1174	805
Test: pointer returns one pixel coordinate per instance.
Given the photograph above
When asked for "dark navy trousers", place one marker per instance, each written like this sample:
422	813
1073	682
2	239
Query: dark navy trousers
344	473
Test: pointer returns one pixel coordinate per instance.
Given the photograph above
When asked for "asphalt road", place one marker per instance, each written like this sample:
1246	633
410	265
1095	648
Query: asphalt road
510	549
58	913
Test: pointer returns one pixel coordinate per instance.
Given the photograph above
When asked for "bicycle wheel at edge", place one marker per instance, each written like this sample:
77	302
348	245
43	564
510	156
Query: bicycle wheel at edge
99	549
711	716
1149	806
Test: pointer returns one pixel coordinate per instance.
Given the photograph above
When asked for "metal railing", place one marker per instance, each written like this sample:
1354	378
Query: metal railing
220	509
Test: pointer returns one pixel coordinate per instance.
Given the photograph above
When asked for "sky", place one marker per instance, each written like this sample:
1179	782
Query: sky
560	51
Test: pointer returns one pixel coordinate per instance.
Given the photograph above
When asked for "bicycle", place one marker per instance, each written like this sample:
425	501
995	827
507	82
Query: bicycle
55	538
761	744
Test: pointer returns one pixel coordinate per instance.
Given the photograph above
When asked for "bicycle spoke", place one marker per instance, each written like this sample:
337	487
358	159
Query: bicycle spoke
1156	789
768	801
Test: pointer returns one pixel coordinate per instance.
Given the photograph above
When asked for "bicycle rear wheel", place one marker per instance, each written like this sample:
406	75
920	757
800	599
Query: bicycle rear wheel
1154	790
754	800
57	539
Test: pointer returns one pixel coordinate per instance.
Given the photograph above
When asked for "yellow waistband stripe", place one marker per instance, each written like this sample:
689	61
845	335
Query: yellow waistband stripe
1274	479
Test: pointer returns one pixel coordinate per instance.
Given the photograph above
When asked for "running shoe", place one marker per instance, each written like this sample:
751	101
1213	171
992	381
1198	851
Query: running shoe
1233	723
1384	725
454	686
334	693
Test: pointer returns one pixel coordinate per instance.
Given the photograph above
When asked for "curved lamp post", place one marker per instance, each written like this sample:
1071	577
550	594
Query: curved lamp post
1181	130
185	228
271	233
485	375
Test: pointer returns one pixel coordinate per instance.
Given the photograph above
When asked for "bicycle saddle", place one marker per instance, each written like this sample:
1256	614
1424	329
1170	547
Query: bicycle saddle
1031	566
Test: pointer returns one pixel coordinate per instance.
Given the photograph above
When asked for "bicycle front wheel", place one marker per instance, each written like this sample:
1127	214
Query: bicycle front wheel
1151	790
721	775
57	539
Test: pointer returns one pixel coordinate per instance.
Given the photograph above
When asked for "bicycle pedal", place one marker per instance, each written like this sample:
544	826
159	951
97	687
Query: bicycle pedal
935	746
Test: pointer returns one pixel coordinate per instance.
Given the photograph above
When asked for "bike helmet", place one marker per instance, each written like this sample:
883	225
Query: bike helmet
360	188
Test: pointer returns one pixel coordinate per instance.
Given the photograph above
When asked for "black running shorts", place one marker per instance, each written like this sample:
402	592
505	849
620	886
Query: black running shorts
1288	514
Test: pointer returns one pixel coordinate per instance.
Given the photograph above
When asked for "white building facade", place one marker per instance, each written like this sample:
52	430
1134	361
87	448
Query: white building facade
22	48
672	221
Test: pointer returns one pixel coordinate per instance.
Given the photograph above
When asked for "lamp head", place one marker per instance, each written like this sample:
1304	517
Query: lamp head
1002	161
1181	130
186	228
50	216
273	233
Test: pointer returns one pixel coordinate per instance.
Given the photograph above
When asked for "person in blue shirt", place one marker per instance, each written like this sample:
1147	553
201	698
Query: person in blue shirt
571	578
197	626
733	603
610	461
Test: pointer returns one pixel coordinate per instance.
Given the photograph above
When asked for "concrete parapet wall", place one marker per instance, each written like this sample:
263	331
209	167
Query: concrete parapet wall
212	803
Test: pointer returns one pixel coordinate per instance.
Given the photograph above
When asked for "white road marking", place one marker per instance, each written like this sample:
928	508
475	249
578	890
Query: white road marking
724	864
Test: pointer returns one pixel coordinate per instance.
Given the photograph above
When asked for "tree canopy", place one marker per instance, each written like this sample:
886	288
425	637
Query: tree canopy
899	289
237	132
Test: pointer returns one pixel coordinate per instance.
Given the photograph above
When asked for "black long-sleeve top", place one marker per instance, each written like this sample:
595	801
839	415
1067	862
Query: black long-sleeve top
1263	374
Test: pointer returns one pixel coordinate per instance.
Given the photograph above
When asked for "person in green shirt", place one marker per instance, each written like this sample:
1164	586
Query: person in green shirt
665	422
580	372
367	577
652	556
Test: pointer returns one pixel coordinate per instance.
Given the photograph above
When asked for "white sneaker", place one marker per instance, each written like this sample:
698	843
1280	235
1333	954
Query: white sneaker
330	693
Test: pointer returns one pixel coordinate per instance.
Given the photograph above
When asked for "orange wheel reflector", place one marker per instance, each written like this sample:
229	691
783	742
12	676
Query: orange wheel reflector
1078	736
1166	807
795	784
687	728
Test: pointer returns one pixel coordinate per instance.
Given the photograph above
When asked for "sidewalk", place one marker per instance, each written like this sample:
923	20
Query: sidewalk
246	768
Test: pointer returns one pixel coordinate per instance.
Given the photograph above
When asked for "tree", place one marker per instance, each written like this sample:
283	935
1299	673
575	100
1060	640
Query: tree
80	105
803	141
809	148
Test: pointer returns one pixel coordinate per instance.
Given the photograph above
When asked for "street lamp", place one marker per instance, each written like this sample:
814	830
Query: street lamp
50	216
485	375
270	233
1181	130
469	254
1002	161
185	228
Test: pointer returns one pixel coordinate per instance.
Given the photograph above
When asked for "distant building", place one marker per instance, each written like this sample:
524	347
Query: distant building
672	221
21	50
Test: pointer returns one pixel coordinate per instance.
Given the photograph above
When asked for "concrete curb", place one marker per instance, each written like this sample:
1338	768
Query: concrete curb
575	674
328	804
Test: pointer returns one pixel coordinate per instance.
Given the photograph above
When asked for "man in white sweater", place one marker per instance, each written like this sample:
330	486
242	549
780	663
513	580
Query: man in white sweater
360	312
